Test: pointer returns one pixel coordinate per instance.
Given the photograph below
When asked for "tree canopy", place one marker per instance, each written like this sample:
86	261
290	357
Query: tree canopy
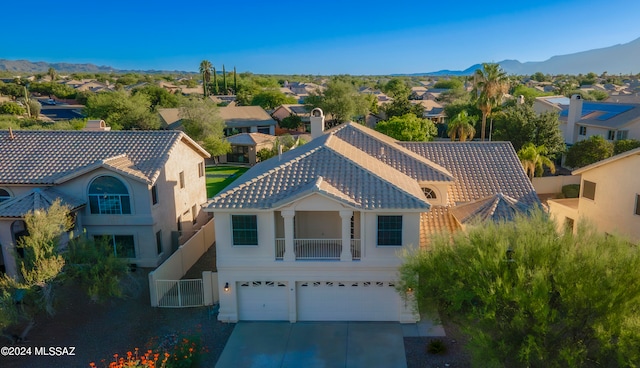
529	296
588	151
201	122
490	85
271	98
158	96
340	100
519	124
122	111
534	159
408	128
461	126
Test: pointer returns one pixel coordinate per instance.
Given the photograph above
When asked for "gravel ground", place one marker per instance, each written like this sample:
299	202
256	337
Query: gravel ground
97	331
455	357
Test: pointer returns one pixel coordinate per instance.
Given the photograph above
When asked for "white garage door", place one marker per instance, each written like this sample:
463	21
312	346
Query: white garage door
348	301
263	300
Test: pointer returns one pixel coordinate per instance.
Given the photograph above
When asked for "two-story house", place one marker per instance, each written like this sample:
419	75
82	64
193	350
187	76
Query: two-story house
317	233
609	197
139	190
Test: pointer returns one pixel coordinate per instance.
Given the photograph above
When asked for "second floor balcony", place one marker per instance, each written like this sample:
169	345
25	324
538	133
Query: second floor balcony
318	249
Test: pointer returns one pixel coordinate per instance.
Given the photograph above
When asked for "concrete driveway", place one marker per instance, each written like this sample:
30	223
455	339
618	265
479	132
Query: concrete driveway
314	344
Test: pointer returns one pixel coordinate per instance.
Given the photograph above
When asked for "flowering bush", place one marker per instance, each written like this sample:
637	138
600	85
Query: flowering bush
177	351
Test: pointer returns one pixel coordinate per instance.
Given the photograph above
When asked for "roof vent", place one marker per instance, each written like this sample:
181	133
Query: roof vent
11	136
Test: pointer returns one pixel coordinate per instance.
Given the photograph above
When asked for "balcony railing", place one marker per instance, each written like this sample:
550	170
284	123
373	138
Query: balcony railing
318	249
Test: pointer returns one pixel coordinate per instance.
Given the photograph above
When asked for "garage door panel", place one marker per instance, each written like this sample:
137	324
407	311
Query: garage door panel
347	301
263	301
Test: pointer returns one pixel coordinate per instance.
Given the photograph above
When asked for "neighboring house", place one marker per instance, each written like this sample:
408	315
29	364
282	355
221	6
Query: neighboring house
139	190
245	146
609	197
170	118
433	110
247	119
417	93
318	232
223	99
550	104
284	111
613	121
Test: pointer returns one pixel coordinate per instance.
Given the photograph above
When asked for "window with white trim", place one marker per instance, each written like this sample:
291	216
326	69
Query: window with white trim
622	134
245	229
200	169
429	193
109	196
611	135
389	230
582	130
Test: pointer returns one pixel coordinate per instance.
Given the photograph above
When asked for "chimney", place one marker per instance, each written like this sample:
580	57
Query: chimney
575	114
317	123
96	126
11	136
521	100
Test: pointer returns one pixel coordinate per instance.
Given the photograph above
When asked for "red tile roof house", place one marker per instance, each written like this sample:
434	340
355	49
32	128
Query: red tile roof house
316	233
134	187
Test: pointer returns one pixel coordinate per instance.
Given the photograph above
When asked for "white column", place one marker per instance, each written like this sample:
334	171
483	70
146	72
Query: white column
345	255
289	252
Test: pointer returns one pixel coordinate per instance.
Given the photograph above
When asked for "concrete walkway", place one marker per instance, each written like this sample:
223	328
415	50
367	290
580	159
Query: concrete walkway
314	344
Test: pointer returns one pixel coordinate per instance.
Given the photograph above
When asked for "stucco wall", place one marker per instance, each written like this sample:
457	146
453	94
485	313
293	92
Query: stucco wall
613	209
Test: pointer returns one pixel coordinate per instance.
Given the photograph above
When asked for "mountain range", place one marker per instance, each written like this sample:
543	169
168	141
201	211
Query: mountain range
617	59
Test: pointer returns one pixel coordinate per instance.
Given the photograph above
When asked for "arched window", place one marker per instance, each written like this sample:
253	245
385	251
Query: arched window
429	193
109	196
4	195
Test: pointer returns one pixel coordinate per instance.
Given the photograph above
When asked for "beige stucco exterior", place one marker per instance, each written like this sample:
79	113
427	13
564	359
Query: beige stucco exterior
317	217
613	208
146	218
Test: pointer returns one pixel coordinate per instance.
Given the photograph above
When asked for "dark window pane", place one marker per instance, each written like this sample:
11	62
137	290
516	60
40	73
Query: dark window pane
245	229
390	230
589	190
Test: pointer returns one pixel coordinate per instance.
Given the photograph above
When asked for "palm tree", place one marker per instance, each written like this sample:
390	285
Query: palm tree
205	69
533	159
52	74
461	126
490	85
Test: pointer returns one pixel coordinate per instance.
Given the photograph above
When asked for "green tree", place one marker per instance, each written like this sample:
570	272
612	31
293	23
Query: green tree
588	151
205	70
201	122
122	111
461	126
408	128
34	108
402	106
533	160
539	77
528	296
452	83
519	124
12	108
340	100
158	96
397	88
291	122
529	93
215	82
11	89
270	99
52	74
625	145
490	85
224	81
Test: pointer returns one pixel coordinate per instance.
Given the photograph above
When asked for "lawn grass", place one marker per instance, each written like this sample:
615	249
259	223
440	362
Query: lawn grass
216	181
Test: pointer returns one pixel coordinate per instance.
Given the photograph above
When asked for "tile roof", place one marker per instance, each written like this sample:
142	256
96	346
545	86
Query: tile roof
481	169
52	157
437	221
334	168
387	150
498	207
250	139
242	116
37	199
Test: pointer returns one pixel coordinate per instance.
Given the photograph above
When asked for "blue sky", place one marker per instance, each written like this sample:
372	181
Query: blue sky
309	37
